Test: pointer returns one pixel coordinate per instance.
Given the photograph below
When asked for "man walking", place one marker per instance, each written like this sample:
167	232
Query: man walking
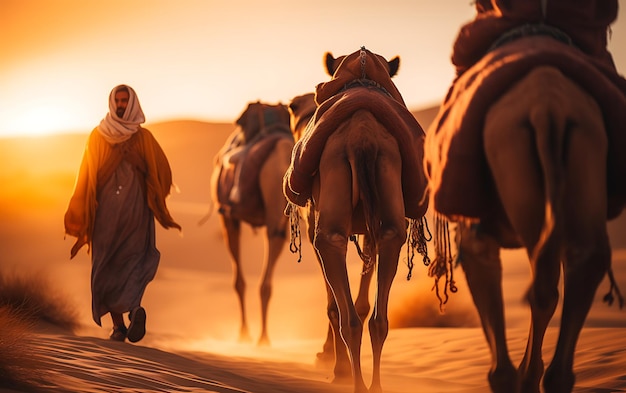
122	184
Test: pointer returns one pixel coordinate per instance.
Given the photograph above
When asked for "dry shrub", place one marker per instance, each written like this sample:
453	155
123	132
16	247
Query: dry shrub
21	367
33	298
421	309
26	301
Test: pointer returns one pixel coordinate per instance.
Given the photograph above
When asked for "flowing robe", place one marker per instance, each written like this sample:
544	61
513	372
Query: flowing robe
120	189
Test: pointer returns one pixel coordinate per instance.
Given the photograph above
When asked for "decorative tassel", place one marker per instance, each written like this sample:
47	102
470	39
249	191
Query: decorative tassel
293	213
416	241
609	298
443	265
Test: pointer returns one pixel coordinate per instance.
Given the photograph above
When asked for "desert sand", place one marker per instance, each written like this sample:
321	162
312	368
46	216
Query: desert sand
193	318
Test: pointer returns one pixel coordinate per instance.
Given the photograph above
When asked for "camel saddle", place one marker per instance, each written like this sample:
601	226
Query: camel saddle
239	161
330	114
461	184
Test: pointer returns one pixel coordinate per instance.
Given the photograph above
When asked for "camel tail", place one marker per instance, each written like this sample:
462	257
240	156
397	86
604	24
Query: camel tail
364	173
550	133
206	217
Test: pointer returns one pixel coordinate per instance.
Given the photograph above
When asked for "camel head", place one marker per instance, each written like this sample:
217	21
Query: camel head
360	66
301	109
332	63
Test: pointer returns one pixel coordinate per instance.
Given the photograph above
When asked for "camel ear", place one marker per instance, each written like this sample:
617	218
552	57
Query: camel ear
394	65
330	63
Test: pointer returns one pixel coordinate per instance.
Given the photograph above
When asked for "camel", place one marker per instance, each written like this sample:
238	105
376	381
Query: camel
247	187
544	136
301	110
357	144
540	182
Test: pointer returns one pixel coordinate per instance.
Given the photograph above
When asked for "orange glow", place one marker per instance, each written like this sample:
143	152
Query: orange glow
202	60
205	60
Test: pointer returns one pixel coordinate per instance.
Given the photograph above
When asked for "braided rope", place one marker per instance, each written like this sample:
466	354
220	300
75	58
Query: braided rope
529	30
368	261
609	298
294	230
363	56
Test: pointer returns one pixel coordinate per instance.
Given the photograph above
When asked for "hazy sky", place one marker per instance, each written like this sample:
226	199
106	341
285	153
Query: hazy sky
206	59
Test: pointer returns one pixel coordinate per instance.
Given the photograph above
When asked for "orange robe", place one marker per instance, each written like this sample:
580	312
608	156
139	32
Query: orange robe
99	161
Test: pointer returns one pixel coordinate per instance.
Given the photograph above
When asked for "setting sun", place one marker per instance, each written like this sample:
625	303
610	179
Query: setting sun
40	120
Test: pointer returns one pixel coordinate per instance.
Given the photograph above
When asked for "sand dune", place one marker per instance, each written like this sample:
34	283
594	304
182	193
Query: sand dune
415	360
193	319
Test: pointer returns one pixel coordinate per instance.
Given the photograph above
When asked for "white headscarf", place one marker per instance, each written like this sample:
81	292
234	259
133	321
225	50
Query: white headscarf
115	129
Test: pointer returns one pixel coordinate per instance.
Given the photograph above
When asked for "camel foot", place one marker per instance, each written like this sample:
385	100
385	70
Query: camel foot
263	342
558	383
244	337
504	380
324	360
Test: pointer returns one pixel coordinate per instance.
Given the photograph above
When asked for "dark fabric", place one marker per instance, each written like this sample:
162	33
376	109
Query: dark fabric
585	21
124	257
392	114
454	150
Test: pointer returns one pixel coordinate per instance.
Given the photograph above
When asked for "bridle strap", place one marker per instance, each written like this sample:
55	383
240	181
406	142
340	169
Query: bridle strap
531	29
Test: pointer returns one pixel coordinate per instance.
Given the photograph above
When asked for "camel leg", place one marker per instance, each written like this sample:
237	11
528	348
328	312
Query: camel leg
346	322
583	272
543	298
276	236
483	270
231	231
332	350
338	352
327	356
588	252
392	240
270	183
542	295
331	240
392	235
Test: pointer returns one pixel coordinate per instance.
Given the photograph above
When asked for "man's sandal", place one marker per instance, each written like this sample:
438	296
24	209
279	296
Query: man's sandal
137	327
119	333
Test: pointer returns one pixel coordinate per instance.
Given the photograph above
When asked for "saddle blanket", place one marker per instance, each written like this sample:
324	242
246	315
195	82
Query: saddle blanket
330	114
460	181
240	167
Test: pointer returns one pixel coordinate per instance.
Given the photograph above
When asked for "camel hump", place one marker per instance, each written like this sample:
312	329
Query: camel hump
260	119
